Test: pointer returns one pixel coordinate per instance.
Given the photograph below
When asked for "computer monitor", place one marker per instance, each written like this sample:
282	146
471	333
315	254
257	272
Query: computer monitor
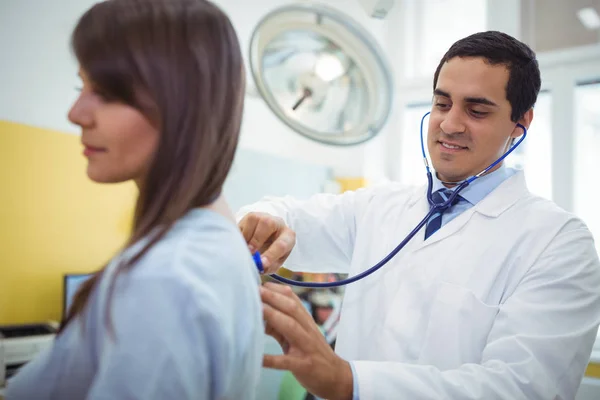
71	283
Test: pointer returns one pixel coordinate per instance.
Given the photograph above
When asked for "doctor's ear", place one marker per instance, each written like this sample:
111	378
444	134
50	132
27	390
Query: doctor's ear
525	121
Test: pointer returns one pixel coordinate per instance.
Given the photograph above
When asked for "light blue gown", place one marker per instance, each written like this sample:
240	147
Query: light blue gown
187	324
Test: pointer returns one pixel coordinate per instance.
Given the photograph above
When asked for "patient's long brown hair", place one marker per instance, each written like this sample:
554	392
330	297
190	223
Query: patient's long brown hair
179	63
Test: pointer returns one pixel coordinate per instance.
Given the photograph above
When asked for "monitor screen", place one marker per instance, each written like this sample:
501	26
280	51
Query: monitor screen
71	284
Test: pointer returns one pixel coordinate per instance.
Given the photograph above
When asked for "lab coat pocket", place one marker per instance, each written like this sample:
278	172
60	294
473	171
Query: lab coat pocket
458	327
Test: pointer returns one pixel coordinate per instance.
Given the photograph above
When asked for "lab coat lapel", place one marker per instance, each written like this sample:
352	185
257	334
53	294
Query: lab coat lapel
493	205
504	196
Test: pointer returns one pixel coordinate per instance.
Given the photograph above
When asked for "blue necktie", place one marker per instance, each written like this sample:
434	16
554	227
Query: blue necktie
435	221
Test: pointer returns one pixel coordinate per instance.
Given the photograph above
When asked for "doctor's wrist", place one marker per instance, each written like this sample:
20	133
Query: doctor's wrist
344	386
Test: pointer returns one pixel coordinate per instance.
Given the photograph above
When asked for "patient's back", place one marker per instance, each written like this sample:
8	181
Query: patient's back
185	323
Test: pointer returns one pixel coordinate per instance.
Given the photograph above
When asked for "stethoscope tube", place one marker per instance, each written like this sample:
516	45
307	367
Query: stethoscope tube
433	209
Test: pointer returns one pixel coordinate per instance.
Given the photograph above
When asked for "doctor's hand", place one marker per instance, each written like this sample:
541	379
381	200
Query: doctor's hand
306	352
269	235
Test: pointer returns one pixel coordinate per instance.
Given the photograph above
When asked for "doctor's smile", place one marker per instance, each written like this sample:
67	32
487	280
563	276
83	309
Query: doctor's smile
451	146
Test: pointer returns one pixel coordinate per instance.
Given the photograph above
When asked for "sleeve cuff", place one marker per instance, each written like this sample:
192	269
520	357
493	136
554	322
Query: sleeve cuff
354	382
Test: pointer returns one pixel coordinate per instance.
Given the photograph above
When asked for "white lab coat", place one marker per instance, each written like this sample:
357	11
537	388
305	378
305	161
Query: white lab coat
503	302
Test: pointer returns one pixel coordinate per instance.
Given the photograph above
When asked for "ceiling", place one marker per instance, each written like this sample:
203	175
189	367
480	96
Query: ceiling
553	24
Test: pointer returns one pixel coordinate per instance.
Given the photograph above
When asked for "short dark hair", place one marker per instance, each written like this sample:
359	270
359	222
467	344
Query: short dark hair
498	48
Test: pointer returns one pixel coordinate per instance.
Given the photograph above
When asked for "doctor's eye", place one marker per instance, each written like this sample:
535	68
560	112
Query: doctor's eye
479	114
442	106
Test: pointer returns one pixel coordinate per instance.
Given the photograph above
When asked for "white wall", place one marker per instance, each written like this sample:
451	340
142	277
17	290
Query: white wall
38	76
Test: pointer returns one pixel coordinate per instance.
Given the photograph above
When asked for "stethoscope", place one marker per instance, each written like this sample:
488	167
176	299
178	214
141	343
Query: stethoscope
435	207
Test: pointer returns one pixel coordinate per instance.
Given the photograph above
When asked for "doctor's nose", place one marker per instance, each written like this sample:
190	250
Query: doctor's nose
453	122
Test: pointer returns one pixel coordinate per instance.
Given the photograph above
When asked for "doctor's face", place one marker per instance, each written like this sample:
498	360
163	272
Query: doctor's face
469	124
119	141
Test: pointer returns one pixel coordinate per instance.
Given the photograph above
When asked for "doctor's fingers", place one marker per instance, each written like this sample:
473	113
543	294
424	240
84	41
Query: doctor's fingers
284	362
285	328
259	228
285	346
284	300
248	225
274	254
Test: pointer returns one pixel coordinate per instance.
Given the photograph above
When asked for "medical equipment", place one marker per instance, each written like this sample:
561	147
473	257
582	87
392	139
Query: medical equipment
321	73
434	209
377	8
20	344
71	283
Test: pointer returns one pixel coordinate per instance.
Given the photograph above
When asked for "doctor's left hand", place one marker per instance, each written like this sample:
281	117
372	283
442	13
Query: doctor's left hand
306	352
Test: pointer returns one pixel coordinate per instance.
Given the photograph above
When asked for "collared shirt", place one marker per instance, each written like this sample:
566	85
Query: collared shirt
475	192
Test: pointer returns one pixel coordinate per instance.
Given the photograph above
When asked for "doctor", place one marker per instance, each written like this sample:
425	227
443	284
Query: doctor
499	298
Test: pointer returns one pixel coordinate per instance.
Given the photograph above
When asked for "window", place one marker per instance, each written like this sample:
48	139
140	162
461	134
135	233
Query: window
587	146
533	155
412	170
433	25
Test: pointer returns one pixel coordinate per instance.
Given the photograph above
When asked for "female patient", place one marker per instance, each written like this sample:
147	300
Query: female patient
177	314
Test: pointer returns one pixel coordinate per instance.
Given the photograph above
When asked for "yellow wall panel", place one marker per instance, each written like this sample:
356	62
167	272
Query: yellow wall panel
593	371
53	220
351	183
